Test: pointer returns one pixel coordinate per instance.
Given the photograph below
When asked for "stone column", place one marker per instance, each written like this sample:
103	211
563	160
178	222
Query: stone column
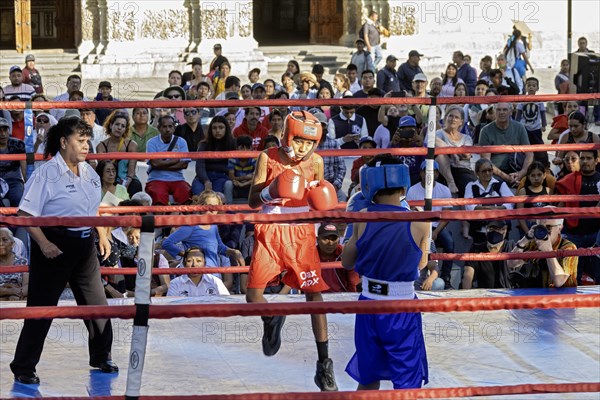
196	26
352	22
102	27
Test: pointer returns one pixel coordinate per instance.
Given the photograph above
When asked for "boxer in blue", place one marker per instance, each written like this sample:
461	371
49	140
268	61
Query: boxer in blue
388	256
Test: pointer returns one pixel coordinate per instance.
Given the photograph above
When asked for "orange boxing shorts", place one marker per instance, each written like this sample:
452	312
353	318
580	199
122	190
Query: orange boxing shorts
289	248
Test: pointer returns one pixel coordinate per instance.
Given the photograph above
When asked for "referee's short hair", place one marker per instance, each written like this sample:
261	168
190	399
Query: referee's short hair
63	129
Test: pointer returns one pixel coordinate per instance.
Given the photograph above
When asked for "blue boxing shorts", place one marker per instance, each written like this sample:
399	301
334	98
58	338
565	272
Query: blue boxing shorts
389	347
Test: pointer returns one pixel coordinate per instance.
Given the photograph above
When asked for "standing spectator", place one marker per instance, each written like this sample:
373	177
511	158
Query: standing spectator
252	127
489	274
450	81
217	61
73	84
17	88
116	128
504	131
330	250
465	72
165	176
562	83
583	232
516	56
241	170
141	131
334	166
104	94
582	48
347	127
441	236
533	116
369	32
191	131
31	75
12	172
486	66
196	285
409	69
387	80
352	75
213	174
361	58
367	81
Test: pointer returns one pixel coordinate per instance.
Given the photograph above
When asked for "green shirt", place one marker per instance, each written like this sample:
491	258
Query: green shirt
141	140
515	134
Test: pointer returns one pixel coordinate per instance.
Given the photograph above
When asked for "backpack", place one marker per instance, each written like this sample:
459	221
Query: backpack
478	225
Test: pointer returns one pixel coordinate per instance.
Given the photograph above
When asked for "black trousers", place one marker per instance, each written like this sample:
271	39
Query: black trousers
78	265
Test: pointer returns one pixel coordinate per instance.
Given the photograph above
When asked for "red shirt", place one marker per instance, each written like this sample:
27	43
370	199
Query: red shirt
257	135
18	129
338	279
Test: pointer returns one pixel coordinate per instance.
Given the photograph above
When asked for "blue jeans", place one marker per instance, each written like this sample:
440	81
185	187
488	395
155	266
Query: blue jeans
377	55
589	265
15	191
220	183
445	241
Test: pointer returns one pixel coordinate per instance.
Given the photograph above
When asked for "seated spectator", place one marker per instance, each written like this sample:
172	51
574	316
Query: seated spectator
307	88
330	249
31	75
241	170
509	167
252	127
176	94
435	87
195	285
577	133
535	185
288	83
254	75
107	171
485	186
318	70
367	81
334	166
503	85
238	113
560	123
550	272
17	88
191	131
142	197
104	94
406	137
455	168
341	86
276	121
89	116
365	143
371	112
450	80
389	117
570	163
12	172
13	286
489	274
205	237
219	82
213	174
42	124
260	93
352	74
73	84
441	236
325	93
141	131
195	77
271	141
347	128
533	116
583	232
473	112
269	87
17	122
159	283
165	176
486	66
429	277
116	127
487	116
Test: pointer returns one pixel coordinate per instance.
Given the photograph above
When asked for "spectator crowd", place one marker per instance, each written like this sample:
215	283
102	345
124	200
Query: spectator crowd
368	75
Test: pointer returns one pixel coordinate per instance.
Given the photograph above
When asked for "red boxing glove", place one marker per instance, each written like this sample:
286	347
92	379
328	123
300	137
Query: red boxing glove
322	196
288	185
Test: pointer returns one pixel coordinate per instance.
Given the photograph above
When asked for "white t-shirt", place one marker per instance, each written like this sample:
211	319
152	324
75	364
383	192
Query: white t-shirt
417	192
209	285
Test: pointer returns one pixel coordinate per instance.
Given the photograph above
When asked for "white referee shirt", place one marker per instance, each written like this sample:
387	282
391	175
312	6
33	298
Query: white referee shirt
209	285
54	190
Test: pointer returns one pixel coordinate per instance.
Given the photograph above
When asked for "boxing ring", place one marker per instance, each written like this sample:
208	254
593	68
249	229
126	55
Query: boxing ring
530	343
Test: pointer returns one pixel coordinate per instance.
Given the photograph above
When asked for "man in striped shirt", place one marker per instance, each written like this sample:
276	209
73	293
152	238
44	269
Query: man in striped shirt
17	87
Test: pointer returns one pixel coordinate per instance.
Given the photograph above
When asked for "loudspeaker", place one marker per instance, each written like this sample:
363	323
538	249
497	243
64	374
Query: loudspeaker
585	72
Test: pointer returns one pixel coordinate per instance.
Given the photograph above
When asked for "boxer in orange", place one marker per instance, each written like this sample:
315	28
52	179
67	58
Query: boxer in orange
289	179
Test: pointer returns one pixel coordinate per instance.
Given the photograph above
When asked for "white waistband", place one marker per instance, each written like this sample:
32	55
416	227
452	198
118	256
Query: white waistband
274	209
395	290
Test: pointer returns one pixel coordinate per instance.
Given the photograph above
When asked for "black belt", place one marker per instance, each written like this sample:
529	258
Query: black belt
86	233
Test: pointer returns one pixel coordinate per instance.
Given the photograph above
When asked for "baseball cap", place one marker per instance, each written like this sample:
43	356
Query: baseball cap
407	121
217	46
29	57
4	122
319	115
367	139
195	61
258	85
360	41
436	166
232	96
497	223
420	77
391	58
413	53
328	230
104	84
72	113
15	68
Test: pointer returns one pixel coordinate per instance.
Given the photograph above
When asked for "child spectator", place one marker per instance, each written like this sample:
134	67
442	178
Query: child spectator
535	185
271	141
242	169
533	115
194	285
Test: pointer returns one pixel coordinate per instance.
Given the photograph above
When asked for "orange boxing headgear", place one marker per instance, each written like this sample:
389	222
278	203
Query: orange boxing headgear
304	125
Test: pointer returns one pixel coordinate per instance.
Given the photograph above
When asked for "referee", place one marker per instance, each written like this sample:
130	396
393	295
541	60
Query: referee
64	186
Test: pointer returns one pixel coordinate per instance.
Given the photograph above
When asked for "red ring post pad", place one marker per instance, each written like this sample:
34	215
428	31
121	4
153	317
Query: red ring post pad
327	307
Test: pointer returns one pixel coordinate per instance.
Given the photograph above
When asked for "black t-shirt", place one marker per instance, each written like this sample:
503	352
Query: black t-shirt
491	274
192	138
589	185
370	115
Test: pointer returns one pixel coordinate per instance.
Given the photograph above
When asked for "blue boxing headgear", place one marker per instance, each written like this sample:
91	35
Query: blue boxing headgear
387	176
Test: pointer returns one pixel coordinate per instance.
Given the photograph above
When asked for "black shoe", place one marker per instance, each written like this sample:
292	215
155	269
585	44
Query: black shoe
107	366
28	378
271	340
324	377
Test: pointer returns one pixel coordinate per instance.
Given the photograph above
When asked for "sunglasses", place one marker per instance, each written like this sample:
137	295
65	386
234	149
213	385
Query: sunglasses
173	96
190	112
42	120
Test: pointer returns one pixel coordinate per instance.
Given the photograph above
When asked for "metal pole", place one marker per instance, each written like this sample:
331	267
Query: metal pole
569	25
